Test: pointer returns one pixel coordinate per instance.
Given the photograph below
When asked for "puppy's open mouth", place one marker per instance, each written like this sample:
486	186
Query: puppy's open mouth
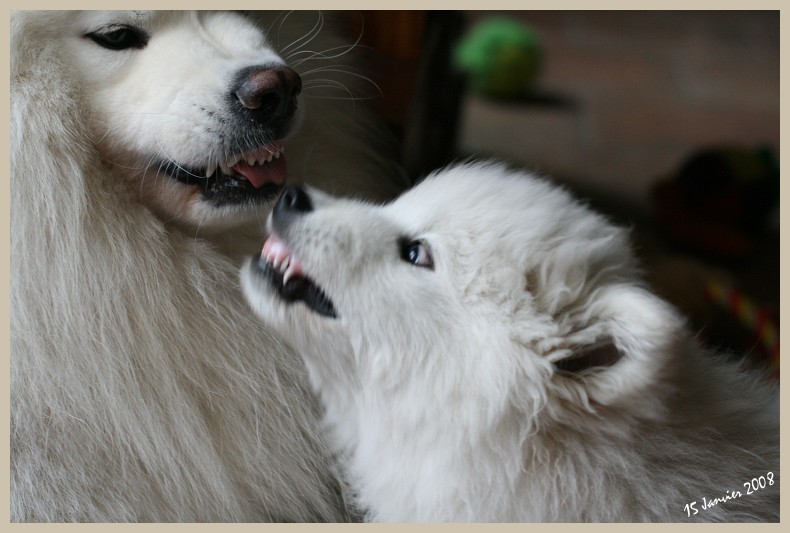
284	271
250	177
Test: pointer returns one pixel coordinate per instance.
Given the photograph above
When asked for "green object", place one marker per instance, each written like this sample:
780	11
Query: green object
501	57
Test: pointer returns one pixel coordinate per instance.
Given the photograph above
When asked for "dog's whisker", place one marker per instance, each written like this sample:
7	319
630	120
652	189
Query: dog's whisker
325	83
338	70
346	98
317	82
278	19
282	23
172	161
366	79
307	37
331	84
325	55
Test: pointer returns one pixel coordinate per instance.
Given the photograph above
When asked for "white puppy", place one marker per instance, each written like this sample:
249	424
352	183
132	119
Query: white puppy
485	351
145	150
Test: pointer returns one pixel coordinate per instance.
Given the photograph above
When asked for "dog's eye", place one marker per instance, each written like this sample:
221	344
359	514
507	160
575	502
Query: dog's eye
119	38
416	253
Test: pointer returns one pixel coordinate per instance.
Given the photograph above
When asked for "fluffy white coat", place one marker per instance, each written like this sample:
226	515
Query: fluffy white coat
141	387
495	357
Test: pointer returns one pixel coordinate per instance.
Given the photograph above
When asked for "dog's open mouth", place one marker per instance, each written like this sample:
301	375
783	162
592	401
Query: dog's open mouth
254	176
284	271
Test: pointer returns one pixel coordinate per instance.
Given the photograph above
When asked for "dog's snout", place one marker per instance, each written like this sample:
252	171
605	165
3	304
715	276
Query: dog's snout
293	200
268	93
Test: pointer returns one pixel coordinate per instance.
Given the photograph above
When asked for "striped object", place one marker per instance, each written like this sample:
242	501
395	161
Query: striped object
758	320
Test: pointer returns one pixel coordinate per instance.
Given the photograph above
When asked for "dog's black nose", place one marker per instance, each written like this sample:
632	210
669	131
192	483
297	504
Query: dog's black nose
268	93
293	200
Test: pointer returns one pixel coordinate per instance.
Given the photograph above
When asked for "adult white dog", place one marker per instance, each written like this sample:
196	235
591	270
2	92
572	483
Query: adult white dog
145	147
486	352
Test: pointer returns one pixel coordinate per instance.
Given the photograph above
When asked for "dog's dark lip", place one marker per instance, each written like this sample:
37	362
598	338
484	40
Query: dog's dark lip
221	188
298	288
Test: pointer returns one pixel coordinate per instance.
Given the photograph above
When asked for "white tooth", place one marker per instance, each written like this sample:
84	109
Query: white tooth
260	161
250	161
282	149
277	155
224	168
288	274
276	262
268	158
210	169
285	264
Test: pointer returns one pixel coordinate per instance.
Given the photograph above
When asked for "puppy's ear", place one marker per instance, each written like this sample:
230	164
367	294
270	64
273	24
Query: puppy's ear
598	355
622	343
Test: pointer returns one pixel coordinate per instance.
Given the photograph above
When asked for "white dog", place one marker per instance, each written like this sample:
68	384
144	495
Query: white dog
145	147
485	351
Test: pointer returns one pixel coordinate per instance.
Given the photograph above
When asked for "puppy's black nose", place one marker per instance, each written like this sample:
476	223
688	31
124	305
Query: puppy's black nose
293	200
268	94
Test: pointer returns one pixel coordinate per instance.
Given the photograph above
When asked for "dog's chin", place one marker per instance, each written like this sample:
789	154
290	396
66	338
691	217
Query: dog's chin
262	280
185	206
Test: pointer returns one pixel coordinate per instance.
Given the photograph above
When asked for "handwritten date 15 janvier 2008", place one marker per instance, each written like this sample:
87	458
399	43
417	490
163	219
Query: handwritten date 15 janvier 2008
750	486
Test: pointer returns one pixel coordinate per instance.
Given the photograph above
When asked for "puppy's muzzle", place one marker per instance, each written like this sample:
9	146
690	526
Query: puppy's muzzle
268	94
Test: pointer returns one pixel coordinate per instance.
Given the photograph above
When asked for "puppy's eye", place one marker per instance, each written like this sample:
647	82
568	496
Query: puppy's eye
119	38
416	253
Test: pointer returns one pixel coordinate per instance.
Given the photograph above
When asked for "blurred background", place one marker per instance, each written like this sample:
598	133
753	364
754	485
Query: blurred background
667	121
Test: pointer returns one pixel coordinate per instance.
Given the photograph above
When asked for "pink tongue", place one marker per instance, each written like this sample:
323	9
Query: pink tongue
259	175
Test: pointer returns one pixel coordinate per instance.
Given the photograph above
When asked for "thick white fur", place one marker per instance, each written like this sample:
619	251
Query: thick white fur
141	387
442	389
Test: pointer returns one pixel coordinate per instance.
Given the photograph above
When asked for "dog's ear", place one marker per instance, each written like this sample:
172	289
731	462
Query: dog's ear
51	148
625	339
597	355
